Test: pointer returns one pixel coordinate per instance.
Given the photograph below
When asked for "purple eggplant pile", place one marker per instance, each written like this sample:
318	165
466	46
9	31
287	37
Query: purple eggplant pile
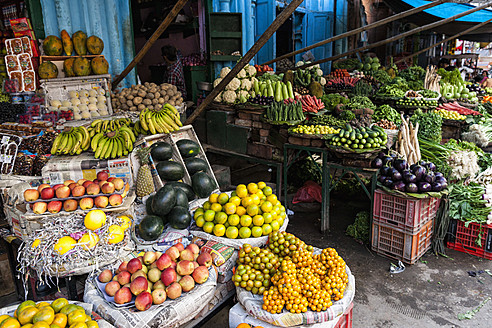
396	174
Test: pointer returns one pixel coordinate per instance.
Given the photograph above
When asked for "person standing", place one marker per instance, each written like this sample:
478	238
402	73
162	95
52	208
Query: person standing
174	74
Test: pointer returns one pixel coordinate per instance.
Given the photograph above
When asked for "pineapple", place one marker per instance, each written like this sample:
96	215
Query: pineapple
145	184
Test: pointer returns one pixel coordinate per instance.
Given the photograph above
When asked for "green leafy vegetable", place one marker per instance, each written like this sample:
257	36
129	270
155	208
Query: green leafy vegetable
359	230
347	115
360	102
430	125
386	112
333	99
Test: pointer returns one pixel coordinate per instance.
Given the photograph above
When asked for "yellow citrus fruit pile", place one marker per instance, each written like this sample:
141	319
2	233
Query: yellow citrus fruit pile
305	281
251	211
58	314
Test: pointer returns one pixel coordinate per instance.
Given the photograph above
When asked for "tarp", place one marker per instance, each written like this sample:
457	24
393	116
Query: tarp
445	10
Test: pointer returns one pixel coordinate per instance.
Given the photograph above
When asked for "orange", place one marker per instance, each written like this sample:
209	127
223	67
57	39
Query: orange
267	191
206	205
240	210
230	208
223	198
79	325
216	207
29	325
10	323
266	207
235	200
40	324
259	193
252	188
53	325
267	217
233	194
243	325
275	225
219	230
267	229
68	308
258	220
208	227
199	211
241	191
261	185
246	201
46	314
200	221
95	219
232	232
256	232
24	304
220	218
213	198
252	210
244	232
58	304
283	215
209	215
42	304
233	219
60	320
87	241
25	316
92	324
256	199
76	317
3	317
272	199
245	220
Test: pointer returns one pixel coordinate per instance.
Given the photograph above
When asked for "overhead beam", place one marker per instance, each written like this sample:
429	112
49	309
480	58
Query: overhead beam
281	18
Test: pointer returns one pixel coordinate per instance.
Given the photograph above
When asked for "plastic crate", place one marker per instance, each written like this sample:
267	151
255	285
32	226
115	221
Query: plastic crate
346	319
463	239
396	243
409	214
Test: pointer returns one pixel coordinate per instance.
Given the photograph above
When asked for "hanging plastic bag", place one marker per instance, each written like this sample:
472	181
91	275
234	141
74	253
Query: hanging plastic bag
310	192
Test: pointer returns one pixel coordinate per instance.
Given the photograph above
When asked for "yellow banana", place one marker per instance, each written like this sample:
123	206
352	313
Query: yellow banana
172	108
170	121
95	141
166	126
95	123
56	143
129	131
87	138
149	122
101	145
143	122
69	144
116	145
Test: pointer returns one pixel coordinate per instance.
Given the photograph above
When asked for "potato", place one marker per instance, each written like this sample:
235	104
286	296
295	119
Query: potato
122	99
165	86
171	102
137	100
180	100
166	98
157	94
134	92
178	93
125	107
150	107
141	93
146	84
147	102
133	108
155	101
129	103
150	95
174	97
170	92
130	97
161	100
158	106
141	107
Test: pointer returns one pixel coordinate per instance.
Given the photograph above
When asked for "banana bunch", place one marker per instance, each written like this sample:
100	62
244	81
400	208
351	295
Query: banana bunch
73	141
165	120
108	125
113	144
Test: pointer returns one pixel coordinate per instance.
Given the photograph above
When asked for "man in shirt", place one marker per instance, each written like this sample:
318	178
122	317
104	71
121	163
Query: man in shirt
174	74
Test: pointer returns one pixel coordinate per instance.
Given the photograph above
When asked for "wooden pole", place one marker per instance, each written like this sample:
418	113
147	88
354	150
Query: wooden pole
281	18
399	36
360	29
150	42
445	40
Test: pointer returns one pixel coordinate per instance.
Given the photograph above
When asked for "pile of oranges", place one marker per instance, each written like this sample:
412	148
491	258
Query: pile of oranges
250	211
304	281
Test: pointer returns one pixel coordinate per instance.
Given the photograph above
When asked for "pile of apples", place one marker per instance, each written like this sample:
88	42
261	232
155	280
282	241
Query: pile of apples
154	277
105	184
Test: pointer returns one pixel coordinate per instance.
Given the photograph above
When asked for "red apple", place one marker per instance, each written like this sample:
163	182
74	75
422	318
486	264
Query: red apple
187	255
164	262
118	183
153	265
42	186
78	191
205	259
105	276
180	247
123	266
55	206
187	283
101	201
47	193
134	265
81	181
168	276
68	182
110	179
96	181
140	258
200	274
87	183
93	189
139	273
31	195
107	188
112	287
154	275
173	265
70	205
86	203
123	277
173	252
62	192
73	185
103	175
173	291
194	248
139	285
185	267
122	296
115	200
55	187
39	207
143	301
101	183
158	296
195	264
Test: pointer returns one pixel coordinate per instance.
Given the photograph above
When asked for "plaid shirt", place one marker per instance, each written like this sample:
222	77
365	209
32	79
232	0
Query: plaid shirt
175	76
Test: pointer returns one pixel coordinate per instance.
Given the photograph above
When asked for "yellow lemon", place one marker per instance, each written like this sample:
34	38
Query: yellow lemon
267	229
275	225
58	304
35	243
88	240
259	193
41	324
199	211
256	199
258	220
241	191
252	188
246	201
29	325
200	221
216	207
206	205
64	244
235	200
267	191
76	316
127	222
240	210
116	234
22	306
272	199
245	220
223	198
220	218
233	219
261	185
213	198
46	314
252	210
208	227
256	232
266	207
244	232
219	230
209	215
232	232
95	219
230	208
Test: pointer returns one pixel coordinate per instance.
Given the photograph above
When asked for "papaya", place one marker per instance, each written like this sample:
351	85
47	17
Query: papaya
67	42
47	70
68	67
81	66
99	65
52	46
79	39
95	45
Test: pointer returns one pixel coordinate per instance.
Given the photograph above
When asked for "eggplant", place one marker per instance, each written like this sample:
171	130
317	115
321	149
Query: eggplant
399	185
388	183
396	176
382	178
429	177
377	163
409	177
400	164
424	186
419	172
431	166
437	186
381	155
394	155
385	170
413	166
438	174
387	159
411	187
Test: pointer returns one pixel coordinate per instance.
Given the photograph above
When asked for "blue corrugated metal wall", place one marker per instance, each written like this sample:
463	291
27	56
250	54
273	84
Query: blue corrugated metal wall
108	19
259	14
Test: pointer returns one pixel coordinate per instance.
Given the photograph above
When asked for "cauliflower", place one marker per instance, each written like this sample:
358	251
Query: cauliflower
224	71
299	63
322	81
234	84
241	74
217	81
319	72
229	96
253	79
244	94
218	98
251	70
246	84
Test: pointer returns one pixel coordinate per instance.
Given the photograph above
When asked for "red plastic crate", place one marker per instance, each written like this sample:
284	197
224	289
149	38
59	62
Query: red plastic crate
409	214
346	320
463	239
396	243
